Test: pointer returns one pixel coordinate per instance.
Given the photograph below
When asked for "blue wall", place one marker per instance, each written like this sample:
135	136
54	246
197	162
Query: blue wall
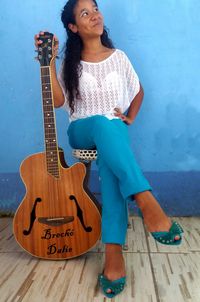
162	40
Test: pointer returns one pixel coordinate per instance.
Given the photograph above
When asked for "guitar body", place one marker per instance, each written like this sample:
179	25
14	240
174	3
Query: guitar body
57	219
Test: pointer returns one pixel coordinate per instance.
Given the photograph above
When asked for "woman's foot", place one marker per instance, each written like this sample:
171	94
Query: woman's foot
114	267
154	217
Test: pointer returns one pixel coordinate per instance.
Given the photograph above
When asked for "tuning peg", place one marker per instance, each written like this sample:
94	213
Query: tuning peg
36	58
36	50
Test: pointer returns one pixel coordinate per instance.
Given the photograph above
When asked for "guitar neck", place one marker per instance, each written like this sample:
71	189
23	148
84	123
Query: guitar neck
51	146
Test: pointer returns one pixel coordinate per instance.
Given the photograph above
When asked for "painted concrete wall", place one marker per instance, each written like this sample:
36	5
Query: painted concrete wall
162	40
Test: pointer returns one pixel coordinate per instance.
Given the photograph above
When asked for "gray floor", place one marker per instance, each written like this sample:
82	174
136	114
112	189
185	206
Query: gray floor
155	272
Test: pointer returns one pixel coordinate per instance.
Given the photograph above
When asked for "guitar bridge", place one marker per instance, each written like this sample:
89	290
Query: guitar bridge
56	221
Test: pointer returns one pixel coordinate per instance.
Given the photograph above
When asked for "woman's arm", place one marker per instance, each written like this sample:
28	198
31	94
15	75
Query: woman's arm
133	108
58	96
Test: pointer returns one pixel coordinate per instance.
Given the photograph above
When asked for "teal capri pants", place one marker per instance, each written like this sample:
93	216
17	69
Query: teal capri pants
120	175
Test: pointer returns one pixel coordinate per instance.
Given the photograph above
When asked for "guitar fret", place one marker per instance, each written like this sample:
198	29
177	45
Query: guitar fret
49	126
49	142
45	80
52	145
47	107
49	118
50	134
52	155
46	94
44	91
46	87
52	159
52	164
54	173
46	104
51	149
49	114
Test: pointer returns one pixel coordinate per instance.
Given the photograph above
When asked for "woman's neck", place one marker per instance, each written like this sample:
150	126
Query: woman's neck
93	46
95	51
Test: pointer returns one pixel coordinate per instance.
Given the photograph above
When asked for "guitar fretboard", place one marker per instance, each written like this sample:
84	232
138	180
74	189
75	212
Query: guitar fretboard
51	145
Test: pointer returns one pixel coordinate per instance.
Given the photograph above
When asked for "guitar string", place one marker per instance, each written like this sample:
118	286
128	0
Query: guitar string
55	180
57	152
52	167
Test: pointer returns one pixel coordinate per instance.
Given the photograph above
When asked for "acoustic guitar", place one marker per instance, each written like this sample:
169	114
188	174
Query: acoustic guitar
59	217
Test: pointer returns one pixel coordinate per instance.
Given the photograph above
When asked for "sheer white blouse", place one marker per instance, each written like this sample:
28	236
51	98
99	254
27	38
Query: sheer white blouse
103	86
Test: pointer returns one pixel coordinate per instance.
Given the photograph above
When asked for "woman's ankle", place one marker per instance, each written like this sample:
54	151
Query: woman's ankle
113	248
114	262
144	198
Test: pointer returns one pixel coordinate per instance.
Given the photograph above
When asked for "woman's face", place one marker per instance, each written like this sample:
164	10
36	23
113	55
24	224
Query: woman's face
89	20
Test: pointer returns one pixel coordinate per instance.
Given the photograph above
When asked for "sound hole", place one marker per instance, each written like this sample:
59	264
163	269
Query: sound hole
88	229
32	217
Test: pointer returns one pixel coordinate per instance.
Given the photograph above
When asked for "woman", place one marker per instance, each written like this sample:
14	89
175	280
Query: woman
96	85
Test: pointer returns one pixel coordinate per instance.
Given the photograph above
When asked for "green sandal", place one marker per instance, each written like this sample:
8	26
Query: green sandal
115	286
167	237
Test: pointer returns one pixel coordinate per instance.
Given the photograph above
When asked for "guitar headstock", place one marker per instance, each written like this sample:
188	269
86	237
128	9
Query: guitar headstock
46	49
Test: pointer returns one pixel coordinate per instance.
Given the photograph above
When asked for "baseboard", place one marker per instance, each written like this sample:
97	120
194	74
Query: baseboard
177	192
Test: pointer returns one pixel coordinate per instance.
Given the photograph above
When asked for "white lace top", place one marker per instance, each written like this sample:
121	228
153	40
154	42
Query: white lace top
104	86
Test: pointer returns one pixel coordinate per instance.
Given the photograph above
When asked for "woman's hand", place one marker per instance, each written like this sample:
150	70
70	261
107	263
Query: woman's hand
39	42
123	117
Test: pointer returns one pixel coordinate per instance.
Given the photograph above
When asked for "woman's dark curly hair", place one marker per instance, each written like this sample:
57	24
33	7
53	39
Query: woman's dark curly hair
72	53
